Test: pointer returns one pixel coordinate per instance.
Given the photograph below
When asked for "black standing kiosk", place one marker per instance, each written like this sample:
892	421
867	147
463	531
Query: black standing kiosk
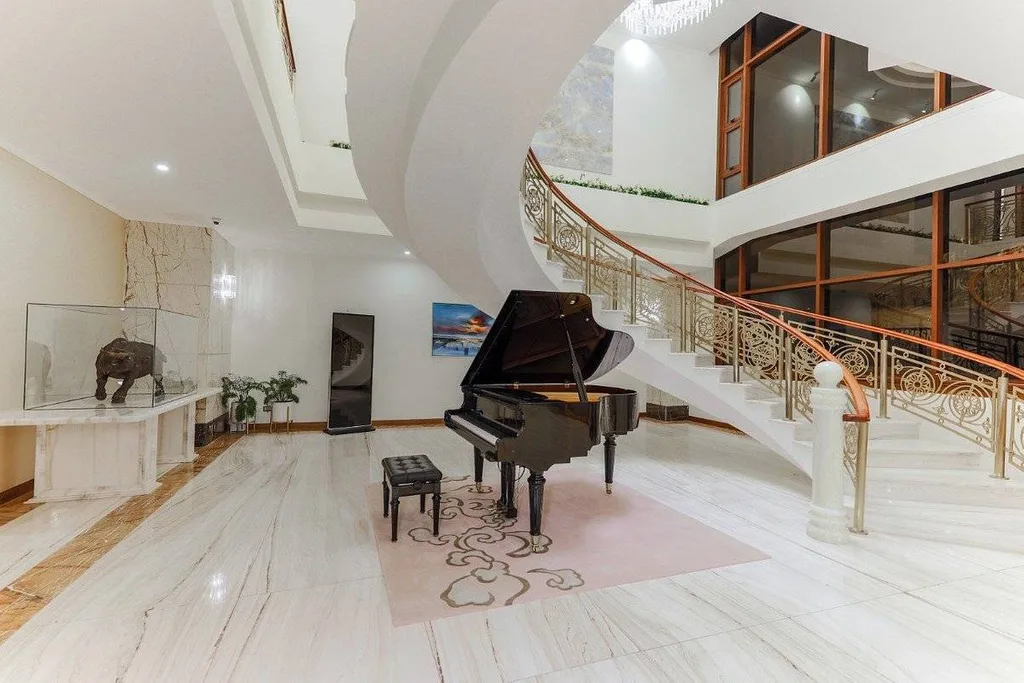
351	380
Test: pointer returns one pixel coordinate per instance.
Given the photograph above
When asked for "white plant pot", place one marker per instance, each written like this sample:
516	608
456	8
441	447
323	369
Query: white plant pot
281	411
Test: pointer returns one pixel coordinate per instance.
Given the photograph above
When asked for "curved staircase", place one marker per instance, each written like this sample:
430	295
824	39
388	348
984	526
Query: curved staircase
440	114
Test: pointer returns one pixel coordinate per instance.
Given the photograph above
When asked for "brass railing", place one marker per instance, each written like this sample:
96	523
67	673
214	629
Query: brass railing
975	397
692	315
998	218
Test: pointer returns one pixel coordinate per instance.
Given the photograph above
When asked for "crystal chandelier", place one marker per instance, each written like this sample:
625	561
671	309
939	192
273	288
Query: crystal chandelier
659	18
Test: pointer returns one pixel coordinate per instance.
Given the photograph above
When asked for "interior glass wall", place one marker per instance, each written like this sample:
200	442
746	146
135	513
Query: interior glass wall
983	310
986	217
787	89
783	258
867	101
890	238
810	95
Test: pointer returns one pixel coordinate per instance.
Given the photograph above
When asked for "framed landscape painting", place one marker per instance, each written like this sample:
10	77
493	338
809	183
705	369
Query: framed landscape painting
458	330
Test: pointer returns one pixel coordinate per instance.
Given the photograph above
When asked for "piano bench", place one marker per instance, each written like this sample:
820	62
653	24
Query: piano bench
410	475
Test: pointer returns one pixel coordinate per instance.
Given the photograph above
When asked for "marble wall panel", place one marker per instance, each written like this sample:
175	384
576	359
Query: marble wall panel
576	132
176	268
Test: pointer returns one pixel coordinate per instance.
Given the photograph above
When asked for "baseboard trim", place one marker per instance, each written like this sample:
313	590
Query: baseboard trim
279	427
420	422
17	491
715	424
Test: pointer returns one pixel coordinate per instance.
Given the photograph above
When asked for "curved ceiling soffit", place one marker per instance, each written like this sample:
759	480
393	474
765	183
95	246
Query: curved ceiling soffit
470	143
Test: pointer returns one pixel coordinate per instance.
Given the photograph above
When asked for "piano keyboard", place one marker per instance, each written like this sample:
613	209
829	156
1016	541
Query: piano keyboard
476	429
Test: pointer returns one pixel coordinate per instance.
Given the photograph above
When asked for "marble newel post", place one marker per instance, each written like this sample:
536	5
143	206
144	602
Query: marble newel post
828	516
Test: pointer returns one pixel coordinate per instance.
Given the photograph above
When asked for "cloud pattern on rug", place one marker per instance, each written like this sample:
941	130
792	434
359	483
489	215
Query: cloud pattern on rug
489	580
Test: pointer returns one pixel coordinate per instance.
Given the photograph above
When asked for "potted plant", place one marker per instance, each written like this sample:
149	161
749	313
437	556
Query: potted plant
237	392
280	395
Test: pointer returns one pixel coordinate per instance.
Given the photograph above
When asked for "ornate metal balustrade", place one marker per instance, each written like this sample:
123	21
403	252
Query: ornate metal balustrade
995	219
756	346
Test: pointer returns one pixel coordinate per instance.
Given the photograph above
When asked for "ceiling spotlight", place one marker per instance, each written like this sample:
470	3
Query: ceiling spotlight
924	111
162	168
408	253
874	95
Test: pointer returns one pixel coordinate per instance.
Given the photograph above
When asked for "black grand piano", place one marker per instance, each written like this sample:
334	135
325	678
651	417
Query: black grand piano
526	401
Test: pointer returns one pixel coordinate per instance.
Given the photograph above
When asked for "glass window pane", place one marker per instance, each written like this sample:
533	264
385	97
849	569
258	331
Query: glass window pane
895	236
732	185
732	148
784	258
734	98
986	217
767	29
801	299
731	271
866	103
980	313
786	89
902	304
733	48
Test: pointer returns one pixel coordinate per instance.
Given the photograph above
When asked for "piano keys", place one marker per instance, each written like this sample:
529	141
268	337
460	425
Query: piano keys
525	398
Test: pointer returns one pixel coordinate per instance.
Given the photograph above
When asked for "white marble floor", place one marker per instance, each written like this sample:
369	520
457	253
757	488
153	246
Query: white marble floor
263	569
38	533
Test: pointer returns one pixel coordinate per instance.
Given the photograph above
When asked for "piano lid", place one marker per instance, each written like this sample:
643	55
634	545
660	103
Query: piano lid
527	342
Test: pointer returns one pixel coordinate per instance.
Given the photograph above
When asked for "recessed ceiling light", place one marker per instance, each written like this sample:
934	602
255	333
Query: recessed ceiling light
162	168
408	253
924	111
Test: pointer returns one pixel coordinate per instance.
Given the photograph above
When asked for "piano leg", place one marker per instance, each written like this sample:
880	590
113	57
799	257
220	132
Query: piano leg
609	461
478	468
508	487
536	482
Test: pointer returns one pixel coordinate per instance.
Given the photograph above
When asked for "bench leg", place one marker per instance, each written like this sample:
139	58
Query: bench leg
387	497
423	503
394	519
437	508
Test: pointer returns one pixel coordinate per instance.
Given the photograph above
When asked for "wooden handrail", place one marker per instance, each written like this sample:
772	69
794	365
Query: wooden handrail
1009	370
861	409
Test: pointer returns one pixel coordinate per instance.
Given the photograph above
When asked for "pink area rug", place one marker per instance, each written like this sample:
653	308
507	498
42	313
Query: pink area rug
591	540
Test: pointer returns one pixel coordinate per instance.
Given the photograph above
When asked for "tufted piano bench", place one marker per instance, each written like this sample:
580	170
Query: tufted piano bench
409	475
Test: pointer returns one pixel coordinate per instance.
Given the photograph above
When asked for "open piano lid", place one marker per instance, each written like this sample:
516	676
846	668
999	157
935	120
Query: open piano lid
527	342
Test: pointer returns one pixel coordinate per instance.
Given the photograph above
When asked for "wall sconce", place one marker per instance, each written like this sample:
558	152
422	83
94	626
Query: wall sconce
225	286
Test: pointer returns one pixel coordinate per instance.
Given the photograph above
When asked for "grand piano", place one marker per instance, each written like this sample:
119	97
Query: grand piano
526	402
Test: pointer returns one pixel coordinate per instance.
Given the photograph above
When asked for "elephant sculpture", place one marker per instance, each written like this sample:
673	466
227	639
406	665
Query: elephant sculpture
128	361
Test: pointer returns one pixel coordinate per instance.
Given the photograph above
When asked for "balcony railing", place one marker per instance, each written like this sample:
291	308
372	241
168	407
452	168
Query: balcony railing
996	219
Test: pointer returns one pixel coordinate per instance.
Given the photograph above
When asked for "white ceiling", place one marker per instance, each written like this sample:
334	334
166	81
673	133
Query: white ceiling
97	93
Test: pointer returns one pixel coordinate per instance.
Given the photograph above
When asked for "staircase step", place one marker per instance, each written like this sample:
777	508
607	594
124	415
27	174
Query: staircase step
611	318
637	332
658	347
921	454
879	429
554	269
947	486
691	360
714	373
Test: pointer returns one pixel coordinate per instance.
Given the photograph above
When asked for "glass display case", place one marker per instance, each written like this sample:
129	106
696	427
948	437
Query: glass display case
108	356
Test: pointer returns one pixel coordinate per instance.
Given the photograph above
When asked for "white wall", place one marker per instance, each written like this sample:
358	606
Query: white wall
282	320
664	121
58	247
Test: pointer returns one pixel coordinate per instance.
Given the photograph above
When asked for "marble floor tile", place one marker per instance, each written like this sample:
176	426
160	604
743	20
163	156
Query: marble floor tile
780	652
665	611
907	639
994	600
637	668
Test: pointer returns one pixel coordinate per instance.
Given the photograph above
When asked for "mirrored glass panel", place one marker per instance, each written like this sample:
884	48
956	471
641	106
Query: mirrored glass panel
733	49
893	237
786	94
870	98
902	304
983	311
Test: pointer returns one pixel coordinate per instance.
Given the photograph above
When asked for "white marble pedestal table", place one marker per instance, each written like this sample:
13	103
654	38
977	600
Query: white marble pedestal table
108	451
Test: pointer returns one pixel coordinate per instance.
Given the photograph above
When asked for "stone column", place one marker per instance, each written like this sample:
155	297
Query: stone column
827	521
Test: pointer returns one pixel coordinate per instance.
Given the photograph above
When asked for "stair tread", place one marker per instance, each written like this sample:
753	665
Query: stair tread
919	445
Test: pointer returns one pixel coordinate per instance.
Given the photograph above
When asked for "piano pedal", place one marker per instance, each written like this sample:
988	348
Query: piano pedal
608	488
535	544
